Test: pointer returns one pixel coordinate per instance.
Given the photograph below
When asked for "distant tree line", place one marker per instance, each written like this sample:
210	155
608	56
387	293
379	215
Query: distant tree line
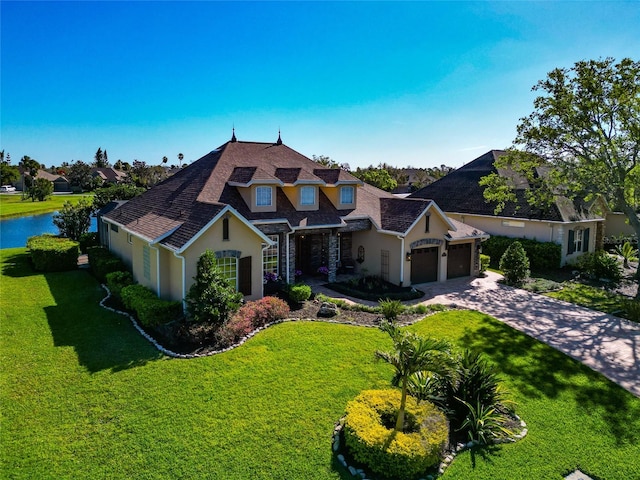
390	178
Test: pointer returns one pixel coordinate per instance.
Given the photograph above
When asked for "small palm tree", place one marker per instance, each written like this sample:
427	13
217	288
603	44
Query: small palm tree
412	353
180	158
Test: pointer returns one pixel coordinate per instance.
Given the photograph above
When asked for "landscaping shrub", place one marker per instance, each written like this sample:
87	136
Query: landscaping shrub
543	255
469	395
628	253
391	309
211	299
600	264
485	261
53	254
263	311
299	292
150	310
116	281
102	261
632	310
515	265
370	437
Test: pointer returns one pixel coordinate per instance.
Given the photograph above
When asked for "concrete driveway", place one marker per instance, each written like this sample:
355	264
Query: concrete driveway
606	343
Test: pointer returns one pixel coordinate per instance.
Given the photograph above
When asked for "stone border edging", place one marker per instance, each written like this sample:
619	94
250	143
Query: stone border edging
446	461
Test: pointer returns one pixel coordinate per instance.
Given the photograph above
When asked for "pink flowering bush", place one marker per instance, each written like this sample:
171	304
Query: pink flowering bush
253	315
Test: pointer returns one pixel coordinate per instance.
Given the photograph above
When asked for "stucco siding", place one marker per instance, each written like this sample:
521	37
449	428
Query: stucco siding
119	245
514	228
241	238
438	228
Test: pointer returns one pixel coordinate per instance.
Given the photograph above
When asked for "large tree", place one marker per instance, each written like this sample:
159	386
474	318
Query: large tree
584	134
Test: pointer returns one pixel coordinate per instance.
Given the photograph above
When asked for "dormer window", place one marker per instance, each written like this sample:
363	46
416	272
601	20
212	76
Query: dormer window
307	195
264	196
346	194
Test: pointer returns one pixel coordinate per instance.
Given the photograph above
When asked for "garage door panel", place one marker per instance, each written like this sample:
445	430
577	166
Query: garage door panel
424	265
459	261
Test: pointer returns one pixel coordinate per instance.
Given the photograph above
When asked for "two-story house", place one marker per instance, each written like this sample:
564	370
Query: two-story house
264	208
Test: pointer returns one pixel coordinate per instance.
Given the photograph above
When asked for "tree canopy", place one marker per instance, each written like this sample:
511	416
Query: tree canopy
584	134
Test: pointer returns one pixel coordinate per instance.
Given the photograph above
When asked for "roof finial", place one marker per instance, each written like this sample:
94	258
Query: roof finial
279	142
233	136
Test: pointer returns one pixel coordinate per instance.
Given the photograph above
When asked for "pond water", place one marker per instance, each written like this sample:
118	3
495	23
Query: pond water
14	232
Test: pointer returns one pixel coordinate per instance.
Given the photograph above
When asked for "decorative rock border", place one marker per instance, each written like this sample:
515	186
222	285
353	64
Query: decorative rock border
446	461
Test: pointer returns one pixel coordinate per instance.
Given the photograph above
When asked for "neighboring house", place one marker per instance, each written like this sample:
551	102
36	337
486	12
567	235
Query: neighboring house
264	208
573	225
109	175
60	182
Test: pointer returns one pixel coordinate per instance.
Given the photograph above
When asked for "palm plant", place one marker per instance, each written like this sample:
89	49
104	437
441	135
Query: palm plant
412	353
628	253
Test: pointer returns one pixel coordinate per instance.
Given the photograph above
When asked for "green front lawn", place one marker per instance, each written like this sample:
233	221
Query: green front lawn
12	205
82	395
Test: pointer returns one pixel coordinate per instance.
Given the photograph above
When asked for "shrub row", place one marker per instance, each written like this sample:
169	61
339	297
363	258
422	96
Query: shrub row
50	253
150	310
542	255
386	452
116	281
253	315
102	261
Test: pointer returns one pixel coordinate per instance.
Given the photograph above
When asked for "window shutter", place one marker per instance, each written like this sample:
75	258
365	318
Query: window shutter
585	240
571	245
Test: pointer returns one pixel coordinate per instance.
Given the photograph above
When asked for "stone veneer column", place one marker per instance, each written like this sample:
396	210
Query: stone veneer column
292	257
333	255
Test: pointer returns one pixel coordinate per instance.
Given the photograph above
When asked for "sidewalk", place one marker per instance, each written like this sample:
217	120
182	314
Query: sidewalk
606	343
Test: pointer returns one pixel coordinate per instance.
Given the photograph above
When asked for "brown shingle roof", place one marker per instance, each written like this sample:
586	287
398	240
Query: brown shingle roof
182	205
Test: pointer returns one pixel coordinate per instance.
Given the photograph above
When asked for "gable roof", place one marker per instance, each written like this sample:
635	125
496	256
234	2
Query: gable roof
460	192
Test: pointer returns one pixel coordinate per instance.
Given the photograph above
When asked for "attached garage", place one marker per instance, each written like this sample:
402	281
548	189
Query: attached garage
459	261
424	265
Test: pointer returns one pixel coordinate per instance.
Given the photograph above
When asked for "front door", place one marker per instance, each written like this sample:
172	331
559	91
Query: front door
303	254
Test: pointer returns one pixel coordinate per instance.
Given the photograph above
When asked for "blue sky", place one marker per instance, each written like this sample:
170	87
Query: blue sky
418	83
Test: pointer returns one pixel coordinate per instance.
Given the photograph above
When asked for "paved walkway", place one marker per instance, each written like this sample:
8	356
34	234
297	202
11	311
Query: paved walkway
606	343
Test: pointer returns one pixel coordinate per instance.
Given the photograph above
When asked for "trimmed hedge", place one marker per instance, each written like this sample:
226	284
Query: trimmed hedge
150	310
389	453
89	239
116	281
50	253
542	255
102	261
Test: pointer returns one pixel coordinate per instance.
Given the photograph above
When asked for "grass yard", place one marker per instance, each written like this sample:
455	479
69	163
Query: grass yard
82	395
12	205
590	297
